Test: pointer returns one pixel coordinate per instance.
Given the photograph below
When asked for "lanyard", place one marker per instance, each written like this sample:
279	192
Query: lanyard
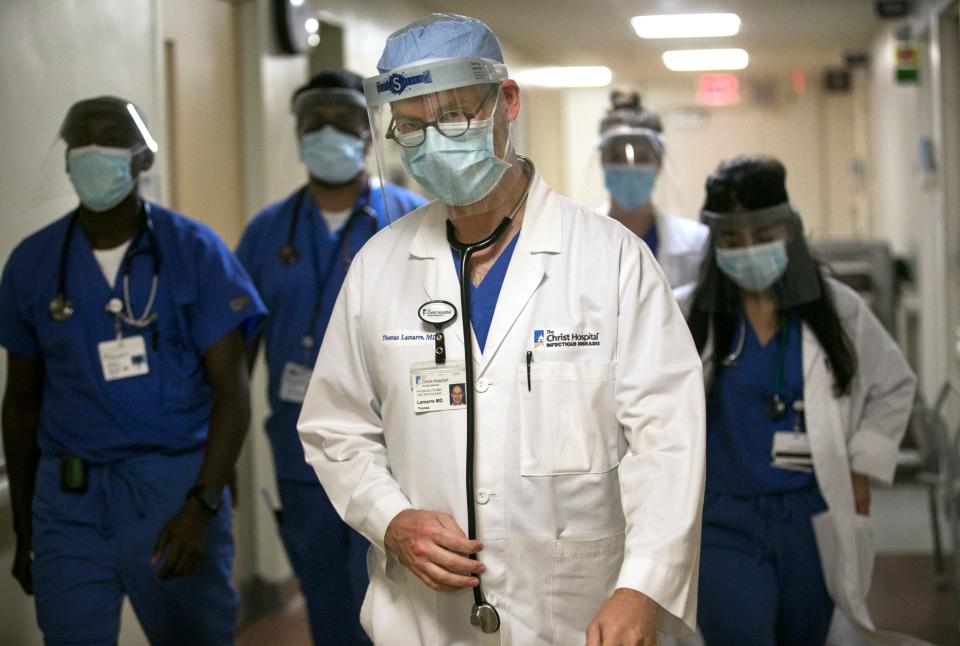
342	254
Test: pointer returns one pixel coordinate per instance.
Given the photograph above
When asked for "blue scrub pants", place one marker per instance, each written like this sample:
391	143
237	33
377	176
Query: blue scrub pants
93	548
329	558
760	576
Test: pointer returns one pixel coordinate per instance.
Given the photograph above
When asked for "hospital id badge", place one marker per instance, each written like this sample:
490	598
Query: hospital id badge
123	358
438	387
791	450
294	382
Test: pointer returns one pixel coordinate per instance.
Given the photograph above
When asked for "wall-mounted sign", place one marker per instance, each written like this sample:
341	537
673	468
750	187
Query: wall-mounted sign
907	70
718	90
837	79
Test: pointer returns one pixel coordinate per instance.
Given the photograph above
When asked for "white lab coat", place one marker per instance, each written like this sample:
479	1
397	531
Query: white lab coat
682	243
590	480
858	432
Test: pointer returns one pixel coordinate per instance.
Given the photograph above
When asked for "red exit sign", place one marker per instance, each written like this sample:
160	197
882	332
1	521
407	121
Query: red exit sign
718	90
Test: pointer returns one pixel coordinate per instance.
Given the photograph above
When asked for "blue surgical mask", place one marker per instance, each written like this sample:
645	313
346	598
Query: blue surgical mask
460	170
754	268
332	156
630	186
101	176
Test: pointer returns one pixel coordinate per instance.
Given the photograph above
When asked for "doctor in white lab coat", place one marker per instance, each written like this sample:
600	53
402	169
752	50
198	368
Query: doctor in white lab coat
632	153
855	394
588	394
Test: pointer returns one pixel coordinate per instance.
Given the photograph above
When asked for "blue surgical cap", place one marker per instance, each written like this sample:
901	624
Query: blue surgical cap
439	36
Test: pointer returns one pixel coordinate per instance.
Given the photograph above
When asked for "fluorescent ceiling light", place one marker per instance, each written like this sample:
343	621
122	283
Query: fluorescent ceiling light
585	76
697	60
691	25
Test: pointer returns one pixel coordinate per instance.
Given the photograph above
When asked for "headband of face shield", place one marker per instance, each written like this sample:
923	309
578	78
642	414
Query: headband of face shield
104	144
332	127
441	121
631	159
758	250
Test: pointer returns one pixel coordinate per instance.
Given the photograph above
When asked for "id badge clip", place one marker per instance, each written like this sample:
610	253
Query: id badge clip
438	314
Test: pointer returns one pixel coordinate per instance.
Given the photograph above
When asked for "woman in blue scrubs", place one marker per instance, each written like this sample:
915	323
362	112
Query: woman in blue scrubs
126	402
808	398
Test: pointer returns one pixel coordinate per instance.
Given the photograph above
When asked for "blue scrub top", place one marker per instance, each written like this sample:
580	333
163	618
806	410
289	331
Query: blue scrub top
739	428
483	297
203	293
652	238
291	293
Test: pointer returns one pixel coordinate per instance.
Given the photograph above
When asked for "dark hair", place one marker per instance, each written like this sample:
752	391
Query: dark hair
756	182
331	79
626	109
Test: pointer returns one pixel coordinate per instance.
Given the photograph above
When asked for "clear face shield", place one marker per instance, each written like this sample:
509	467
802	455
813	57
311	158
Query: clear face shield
750	228
332	133
445	124
764	249
636	170
101	151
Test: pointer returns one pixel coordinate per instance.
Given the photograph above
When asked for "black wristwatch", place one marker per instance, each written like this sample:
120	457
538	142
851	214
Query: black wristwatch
209	496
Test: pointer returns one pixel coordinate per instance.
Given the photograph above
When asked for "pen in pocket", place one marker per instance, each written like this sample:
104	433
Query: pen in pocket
529	361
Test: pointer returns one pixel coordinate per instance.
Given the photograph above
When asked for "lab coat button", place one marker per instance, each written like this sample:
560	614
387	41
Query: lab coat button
482	497
491	598
482	385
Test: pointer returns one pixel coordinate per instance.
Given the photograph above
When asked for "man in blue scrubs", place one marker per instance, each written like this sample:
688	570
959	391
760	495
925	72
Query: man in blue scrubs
297	251
126	402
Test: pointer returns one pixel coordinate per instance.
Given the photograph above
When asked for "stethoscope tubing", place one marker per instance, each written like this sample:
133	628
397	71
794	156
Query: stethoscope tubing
466	251
290	255
133	251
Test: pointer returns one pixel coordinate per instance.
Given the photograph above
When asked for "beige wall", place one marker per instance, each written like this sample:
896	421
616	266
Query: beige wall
201	89
814	136
51	54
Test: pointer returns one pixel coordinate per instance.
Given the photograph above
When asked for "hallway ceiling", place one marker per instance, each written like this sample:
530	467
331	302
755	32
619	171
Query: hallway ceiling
778	34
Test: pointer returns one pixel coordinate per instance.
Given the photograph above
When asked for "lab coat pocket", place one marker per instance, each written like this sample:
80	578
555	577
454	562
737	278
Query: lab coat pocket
584	576
846	553
567	418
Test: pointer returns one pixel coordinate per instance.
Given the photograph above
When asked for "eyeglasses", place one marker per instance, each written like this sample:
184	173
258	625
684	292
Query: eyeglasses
410	133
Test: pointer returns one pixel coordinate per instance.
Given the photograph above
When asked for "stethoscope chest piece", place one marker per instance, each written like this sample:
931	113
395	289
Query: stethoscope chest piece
288	254
777	408
60	308
485	618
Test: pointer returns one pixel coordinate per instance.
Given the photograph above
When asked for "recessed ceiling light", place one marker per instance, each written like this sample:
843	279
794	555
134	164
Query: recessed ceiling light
586	76
698	60
690	25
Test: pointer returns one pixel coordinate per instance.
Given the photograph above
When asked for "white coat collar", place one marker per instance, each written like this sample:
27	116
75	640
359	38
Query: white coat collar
670	236
541	233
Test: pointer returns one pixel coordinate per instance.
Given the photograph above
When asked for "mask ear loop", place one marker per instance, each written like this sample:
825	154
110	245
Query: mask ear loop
493	121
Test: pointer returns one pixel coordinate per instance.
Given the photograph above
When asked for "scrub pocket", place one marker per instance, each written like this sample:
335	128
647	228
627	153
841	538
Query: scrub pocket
184	384
568	423
584	576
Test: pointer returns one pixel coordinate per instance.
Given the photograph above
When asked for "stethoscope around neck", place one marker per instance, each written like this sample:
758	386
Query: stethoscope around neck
483	615
776	406
290	255
61	307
